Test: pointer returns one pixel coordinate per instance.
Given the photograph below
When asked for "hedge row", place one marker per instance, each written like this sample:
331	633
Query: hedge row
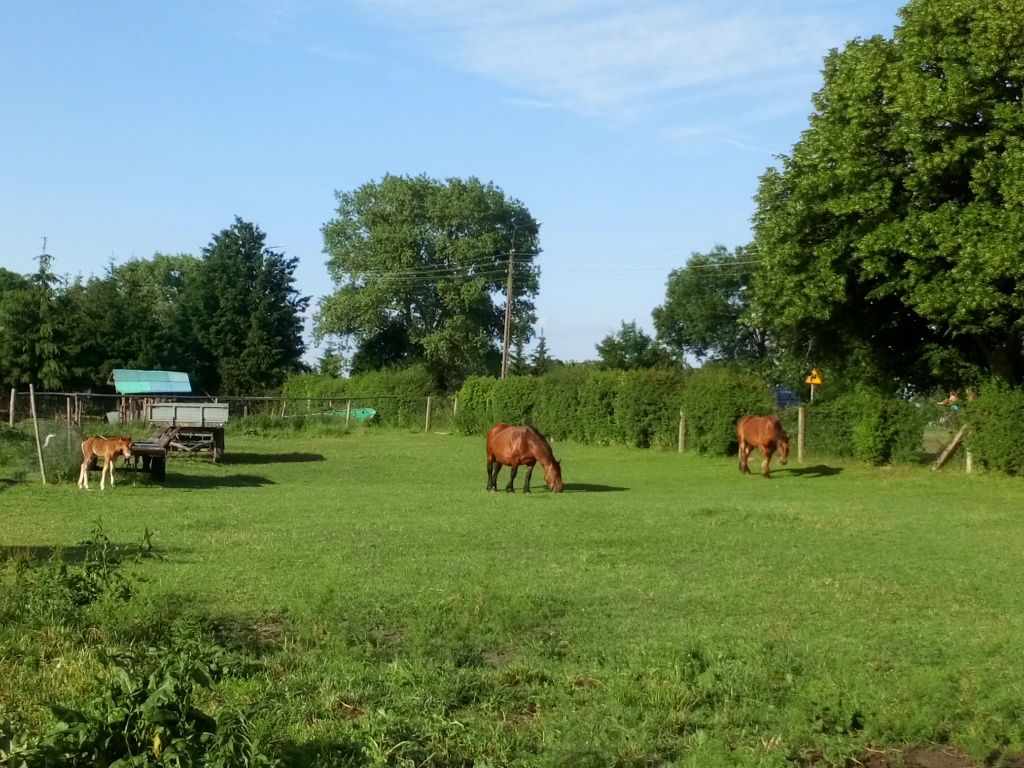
642	409
398	396
635	408
995	418
867	425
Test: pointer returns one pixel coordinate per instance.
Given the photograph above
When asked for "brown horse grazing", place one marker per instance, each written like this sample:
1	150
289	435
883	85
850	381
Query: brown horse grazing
107	448
520	445
766	433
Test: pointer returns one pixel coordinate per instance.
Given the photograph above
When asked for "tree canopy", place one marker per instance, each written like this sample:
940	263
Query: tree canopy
631	349
244	313
706	313
232	320
420	269
890	239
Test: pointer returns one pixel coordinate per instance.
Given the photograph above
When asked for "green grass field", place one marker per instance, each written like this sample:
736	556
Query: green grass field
664	610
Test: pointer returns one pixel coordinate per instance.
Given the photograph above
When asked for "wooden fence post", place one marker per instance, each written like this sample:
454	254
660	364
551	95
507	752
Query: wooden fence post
348	411
427	427
35	425
455	407
682	432
68	418
10	415
800	435
950	449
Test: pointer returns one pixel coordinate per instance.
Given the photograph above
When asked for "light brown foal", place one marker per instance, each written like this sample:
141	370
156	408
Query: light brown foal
106	448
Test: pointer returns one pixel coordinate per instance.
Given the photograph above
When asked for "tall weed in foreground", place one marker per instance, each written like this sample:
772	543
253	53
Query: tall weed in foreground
147	703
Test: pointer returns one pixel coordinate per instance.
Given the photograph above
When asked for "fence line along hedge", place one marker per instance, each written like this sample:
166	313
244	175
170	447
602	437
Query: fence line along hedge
642	409
407	390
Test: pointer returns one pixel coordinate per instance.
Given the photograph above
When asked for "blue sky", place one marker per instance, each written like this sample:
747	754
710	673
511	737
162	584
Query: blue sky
635	131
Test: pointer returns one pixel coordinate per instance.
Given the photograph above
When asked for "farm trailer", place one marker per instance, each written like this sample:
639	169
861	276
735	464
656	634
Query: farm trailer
184	427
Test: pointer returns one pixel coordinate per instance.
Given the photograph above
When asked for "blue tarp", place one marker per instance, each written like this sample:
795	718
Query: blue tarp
132	382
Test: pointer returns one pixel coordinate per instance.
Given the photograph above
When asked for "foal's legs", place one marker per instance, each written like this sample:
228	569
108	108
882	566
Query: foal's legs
765	470
493	468
108	468
83	475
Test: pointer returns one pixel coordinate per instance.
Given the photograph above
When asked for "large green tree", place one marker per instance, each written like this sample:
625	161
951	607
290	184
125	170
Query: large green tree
631	349
891	237
33	328
241	316
420	269
707	313
127	318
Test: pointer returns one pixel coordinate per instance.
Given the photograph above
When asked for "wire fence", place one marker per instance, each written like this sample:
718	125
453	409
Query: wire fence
430	413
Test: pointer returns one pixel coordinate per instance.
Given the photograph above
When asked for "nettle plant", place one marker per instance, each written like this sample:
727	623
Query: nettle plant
150	701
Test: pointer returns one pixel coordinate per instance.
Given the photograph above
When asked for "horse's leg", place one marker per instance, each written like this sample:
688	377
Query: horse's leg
512	478
493	468
529	474
765	469
744	457
83	475
103	474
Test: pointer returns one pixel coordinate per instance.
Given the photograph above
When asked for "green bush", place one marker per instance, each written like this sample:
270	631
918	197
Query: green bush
647	407
399	396
597	408
474	416
995	417
513	399
713	399
557	410
867	425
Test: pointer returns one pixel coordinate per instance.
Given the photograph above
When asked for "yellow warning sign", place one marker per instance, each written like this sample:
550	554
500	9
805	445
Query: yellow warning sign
815	377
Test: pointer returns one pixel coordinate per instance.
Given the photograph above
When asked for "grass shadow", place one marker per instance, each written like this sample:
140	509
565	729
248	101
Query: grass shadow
176	480
40	553
270	458
6	483
818	470
592	488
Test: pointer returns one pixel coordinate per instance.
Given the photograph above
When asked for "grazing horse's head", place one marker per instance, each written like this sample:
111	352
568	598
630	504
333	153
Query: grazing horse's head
553	476
782	447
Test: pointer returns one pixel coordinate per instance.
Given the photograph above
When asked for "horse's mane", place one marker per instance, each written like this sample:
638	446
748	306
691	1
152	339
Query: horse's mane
543	440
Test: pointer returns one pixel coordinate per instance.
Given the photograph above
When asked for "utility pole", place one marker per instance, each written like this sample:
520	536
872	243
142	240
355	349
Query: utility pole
508	312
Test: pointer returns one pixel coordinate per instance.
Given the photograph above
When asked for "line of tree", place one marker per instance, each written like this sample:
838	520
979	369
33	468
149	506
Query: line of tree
232	319
889	244
888	250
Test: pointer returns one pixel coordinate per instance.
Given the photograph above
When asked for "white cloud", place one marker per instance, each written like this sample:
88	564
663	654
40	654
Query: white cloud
614	60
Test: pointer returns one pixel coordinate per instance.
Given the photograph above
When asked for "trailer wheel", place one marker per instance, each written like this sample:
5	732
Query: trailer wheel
158	468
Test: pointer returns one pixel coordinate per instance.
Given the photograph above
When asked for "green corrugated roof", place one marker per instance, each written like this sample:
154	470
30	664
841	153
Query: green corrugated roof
131	382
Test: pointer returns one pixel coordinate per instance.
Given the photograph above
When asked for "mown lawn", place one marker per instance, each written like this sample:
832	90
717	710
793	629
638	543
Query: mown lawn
664	610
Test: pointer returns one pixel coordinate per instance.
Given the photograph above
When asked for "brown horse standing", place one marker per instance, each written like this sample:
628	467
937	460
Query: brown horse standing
766	433
107	448
520	445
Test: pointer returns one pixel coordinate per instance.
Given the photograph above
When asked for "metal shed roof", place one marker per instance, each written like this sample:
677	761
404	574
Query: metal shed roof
131	382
